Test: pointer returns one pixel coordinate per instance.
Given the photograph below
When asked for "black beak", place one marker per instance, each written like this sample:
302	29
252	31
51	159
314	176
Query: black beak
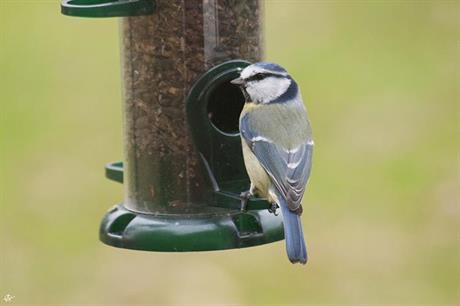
237	81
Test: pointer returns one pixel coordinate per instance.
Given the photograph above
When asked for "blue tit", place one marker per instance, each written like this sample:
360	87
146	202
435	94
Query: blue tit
277	146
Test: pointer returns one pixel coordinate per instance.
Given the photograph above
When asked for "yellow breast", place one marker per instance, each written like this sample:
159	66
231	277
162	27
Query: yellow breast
259	178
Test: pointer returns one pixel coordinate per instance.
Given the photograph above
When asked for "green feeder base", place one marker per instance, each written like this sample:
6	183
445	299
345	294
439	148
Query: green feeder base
218	227
212	228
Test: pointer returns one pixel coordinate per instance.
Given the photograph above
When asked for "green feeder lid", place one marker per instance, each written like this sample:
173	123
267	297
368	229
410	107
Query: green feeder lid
107	8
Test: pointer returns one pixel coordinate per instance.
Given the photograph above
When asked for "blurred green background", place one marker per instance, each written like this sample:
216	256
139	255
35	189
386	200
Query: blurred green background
381	217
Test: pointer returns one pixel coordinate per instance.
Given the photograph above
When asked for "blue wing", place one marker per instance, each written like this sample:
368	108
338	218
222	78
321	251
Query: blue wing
288	169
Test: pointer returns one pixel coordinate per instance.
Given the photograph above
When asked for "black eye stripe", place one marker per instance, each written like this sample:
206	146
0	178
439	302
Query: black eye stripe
261	76
257	77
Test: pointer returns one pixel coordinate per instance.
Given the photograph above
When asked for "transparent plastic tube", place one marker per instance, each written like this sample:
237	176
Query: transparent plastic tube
163	54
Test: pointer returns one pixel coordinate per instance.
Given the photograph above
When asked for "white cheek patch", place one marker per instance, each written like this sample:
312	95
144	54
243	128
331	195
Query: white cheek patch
267	89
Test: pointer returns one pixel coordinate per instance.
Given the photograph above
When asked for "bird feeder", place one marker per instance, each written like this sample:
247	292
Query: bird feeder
183	169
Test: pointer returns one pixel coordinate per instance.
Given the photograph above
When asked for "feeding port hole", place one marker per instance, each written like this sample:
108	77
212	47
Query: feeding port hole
224	107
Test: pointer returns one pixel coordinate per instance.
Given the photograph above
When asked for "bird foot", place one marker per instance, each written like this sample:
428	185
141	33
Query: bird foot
244	196
274	209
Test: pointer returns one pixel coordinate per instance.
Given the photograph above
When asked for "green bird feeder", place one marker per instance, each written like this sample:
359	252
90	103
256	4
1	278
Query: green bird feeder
183	169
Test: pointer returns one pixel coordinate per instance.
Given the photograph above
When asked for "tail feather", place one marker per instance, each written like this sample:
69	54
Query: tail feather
293	234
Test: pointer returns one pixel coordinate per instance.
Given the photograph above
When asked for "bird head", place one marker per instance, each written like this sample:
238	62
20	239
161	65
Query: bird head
265	83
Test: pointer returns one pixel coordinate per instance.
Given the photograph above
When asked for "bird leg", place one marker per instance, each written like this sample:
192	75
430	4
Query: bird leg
273	209
244	196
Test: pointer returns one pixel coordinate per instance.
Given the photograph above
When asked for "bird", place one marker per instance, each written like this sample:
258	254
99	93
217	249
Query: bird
277	146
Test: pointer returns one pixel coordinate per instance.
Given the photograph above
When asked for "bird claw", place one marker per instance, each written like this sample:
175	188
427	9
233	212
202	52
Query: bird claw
274	209
244	196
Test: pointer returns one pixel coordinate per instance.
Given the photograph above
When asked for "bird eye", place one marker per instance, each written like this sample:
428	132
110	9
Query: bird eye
257	77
